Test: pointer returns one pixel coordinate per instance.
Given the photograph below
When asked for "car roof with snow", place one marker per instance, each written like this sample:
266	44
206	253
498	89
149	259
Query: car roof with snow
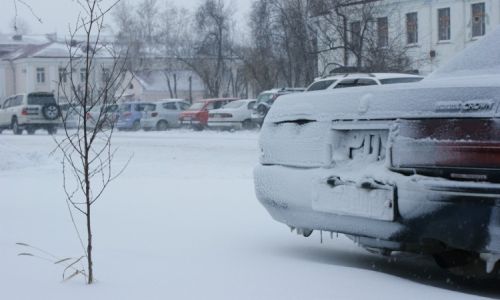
468	86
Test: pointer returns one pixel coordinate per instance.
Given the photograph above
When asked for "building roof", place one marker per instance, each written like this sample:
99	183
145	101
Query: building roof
156	80
50	50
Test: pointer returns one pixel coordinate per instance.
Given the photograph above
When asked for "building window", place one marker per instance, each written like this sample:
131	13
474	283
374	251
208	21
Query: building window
412	28
40	75
105	75
444	23
383	32
63	75
356	35
478	19
83	74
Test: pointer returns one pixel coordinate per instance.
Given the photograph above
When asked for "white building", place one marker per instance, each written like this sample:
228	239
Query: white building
38	66
432	31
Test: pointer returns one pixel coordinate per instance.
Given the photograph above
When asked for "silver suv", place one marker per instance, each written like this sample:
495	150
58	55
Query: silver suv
30	112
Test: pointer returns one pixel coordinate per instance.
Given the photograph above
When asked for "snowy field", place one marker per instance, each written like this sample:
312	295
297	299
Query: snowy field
183	223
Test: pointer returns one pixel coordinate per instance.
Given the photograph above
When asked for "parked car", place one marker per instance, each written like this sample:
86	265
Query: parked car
360	79
30	112
130	114
266	99
103	117
234	115
72	116
196	116
163	115
407	167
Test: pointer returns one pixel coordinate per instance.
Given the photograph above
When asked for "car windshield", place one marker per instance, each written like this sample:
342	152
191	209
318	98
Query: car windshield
234	104
41	99
149	107
111	108
267	97
320	85
197	106
125	107
142	106
400	80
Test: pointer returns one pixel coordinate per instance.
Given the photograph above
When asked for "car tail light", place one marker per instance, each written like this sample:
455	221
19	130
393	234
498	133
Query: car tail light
88	116
455	148
24	112
154	115
127	114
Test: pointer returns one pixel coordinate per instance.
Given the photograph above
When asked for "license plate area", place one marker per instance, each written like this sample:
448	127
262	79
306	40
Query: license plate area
366	199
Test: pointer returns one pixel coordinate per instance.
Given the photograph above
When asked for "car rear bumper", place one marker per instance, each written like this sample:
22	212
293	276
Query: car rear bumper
225	124
463	215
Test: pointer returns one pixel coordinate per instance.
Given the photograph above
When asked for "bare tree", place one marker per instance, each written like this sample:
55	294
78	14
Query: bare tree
359	29
283	48
210	51
87	150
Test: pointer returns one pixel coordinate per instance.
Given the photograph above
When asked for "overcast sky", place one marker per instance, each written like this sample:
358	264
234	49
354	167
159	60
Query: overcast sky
56	15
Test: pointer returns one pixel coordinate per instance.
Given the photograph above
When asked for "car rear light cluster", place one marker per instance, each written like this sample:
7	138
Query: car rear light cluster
462	149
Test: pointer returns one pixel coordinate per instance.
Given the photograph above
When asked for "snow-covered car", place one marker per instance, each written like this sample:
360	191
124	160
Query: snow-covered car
234	115
163	114
30	112
266	99
407	167
360	79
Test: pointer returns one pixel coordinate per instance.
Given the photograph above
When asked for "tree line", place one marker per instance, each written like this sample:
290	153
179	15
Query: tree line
285	42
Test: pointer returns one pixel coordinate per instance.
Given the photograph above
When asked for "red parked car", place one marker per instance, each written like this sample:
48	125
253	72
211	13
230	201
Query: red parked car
196	116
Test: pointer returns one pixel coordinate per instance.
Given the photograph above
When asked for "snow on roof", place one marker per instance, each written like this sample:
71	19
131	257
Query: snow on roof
9	39
51	50
480	58
156	80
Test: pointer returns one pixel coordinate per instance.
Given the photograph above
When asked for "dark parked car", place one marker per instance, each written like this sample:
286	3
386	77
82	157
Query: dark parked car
408	167
266	99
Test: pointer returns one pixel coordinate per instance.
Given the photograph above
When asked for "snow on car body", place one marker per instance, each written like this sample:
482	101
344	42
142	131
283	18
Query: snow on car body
409	167
234	115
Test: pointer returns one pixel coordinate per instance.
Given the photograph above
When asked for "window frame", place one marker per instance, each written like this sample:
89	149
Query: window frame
412	28
477	32
444	24
383	32
40	75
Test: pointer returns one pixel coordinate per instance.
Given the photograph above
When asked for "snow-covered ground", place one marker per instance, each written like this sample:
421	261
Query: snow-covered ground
183	223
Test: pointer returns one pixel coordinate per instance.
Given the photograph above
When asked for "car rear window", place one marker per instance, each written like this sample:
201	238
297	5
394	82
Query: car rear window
41	99
125	107
234	104
400	80
150	107
320	85
197	106
146	106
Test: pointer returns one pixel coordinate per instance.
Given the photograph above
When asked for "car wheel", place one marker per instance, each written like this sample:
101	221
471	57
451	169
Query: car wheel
51	112
463	263
247	124
162	125
52	130
136	125
15	128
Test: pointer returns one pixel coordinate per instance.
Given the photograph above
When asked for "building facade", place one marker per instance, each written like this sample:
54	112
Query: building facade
430	31
43	66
